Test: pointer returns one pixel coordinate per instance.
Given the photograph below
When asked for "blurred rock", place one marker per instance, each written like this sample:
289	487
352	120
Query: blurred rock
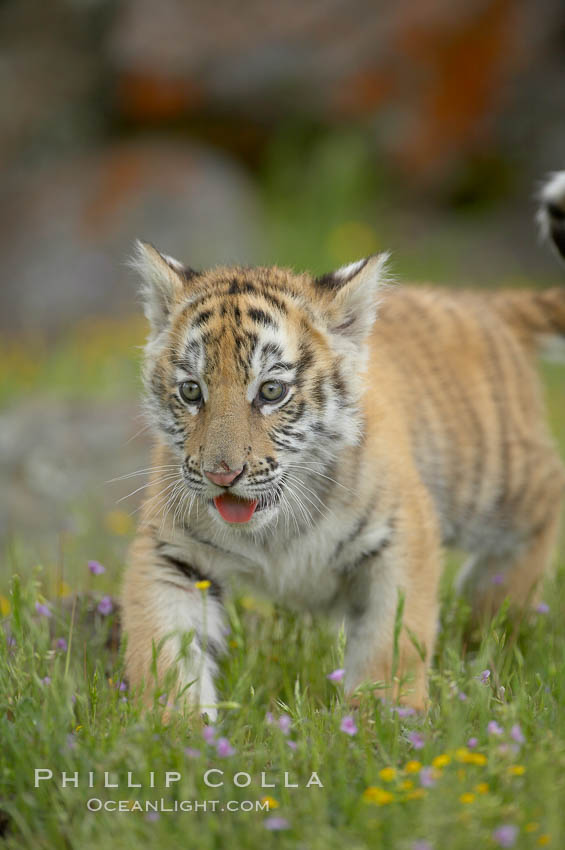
51	73
437	80
67	231
55	455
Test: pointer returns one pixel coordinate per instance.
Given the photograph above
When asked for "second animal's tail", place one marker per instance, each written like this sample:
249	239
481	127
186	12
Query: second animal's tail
551	214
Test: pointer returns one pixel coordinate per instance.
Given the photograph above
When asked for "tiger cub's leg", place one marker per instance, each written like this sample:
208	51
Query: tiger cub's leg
532	516
486	581
409	567
165	613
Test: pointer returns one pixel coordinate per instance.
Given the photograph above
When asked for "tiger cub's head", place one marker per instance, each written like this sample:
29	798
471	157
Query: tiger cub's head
253	377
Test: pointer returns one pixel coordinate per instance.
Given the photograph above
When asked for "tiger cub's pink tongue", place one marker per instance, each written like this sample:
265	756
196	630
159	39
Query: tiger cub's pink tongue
233	509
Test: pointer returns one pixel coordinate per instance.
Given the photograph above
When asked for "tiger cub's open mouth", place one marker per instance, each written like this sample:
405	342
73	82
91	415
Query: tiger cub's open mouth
235	509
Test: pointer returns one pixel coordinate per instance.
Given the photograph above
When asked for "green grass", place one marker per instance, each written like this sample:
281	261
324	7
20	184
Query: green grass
277	662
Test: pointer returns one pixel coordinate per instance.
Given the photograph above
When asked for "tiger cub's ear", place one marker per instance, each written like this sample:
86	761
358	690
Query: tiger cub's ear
163	283
350	296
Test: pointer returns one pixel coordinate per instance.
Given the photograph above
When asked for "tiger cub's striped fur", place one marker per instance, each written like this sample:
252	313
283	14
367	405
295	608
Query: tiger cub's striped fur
319	440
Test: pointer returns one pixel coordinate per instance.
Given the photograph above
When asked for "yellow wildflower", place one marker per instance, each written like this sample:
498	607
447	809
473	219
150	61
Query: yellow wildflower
412	766
202	585
63	589
273	804
467	797
516	769
5	606
467	757
441	760
407	785
387	774
377	796
482	788
543	839
532	826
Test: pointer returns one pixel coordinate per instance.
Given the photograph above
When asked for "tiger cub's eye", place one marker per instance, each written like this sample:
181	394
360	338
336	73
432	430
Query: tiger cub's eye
190	392
272	391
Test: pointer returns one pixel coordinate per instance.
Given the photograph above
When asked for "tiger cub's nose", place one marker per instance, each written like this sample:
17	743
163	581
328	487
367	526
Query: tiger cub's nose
225	477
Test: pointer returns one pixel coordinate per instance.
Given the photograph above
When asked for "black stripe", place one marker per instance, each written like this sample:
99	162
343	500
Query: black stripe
353	566
282	444
305	358
275	302
358	528
290	432
202	317
190	571
318	392
271	348
293	413
261	318
209	646
240	287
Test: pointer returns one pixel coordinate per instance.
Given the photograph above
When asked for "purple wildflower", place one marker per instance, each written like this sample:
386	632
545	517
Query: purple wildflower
336	675
269	719
105	605
542	608
484	677
421	845
285	723
224	748
96	568
191	753
209	734
416	740
462	696
472	743
498	578
516	734
404	710
122	686
292	744
505	836
123	699
152	816
494	729
427	778
348	725
276	823
42	609
46	680
61	643
10	640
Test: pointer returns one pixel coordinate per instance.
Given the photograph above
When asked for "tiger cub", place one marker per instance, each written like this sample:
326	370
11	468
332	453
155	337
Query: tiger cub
319	440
